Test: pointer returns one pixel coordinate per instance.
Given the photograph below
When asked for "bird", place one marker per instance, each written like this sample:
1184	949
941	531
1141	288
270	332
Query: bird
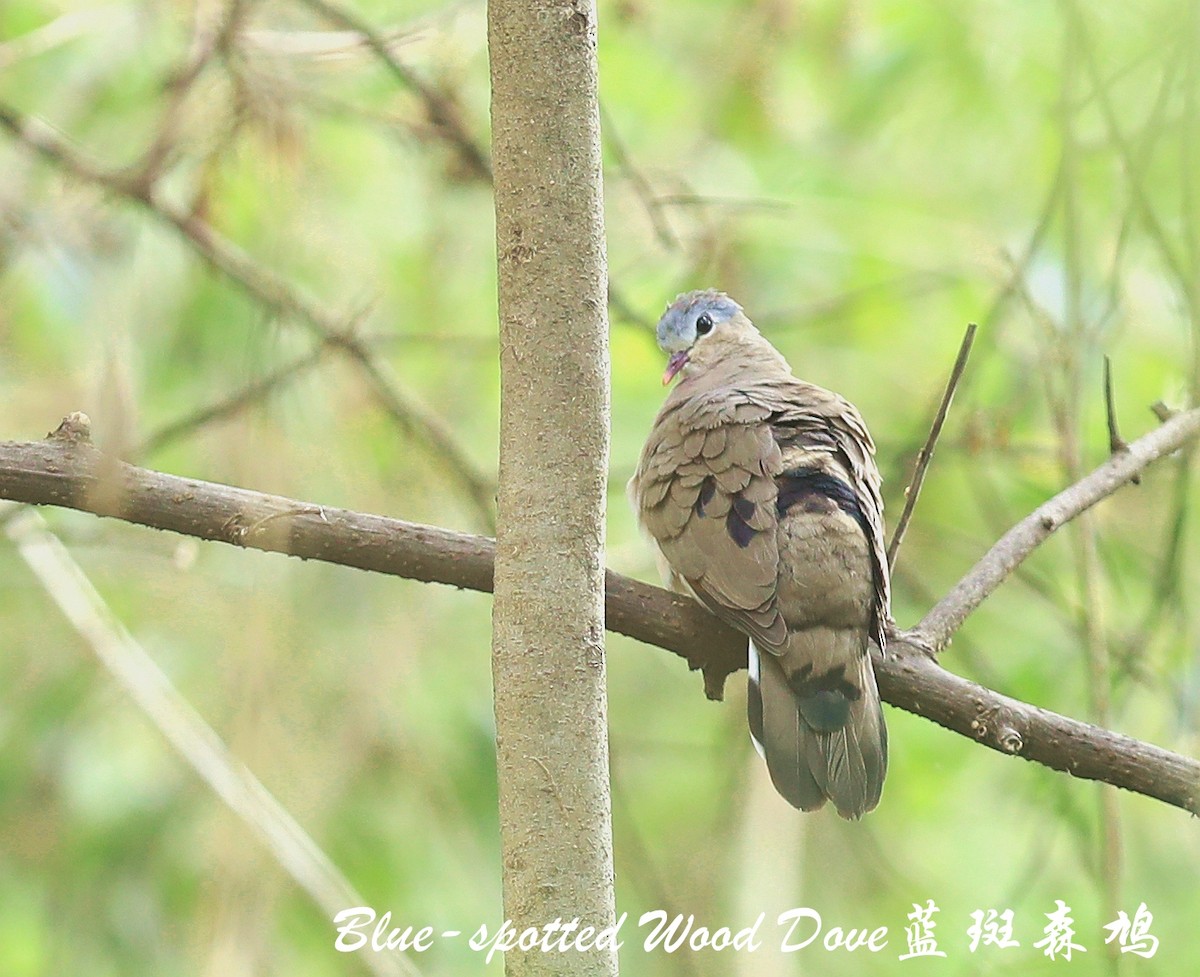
761	494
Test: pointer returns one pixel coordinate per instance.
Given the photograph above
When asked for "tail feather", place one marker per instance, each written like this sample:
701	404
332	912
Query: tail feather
873	735
810	762
778	732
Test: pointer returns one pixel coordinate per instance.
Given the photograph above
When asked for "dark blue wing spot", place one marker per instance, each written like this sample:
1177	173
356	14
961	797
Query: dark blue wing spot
737	527
800	485
744	507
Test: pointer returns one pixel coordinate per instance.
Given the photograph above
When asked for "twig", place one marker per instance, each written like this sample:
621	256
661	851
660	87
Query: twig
430	426
781	207
190	736
625	311
925	455
1019	264
1116	443
992	509
1069	344
1166	594
71	473
910	680
446	118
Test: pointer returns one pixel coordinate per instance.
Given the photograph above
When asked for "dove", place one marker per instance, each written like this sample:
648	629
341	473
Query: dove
761	494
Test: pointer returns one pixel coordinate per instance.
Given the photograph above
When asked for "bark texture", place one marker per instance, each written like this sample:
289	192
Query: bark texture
548	661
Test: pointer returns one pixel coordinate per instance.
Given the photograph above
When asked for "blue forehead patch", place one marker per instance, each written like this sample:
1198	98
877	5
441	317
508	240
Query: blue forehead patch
679	319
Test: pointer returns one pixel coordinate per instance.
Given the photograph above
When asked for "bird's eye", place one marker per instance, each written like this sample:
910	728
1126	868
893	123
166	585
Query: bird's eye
704	325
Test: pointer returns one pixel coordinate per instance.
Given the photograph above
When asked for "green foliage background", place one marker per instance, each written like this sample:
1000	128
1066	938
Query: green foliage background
866	177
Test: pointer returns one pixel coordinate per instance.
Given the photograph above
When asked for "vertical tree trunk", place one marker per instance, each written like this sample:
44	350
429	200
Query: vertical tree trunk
548	644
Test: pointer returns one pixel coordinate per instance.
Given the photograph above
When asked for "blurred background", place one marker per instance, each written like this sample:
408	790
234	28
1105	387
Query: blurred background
228	184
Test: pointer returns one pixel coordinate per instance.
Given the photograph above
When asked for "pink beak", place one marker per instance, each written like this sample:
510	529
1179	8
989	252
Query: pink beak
674	365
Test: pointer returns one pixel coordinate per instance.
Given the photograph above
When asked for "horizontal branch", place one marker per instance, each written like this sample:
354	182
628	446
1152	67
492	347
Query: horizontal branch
66	470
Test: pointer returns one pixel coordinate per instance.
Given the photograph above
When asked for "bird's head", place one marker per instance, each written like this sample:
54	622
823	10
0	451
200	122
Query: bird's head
696	330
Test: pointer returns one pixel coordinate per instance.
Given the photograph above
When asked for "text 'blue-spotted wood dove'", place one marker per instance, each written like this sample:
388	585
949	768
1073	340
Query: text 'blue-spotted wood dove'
762	495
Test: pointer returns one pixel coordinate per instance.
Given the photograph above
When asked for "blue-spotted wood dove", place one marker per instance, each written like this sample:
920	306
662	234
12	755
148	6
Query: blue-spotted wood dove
761	493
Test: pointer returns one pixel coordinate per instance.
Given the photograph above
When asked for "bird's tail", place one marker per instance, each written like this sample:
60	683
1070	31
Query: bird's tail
823	745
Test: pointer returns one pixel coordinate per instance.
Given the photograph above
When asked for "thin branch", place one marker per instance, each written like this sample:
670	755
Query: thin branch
910	680
1014	546
1065	409
447	120
1116	443
992	508
781	207
925	455
272	290
624	310
65	470
1166	594
1019	264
